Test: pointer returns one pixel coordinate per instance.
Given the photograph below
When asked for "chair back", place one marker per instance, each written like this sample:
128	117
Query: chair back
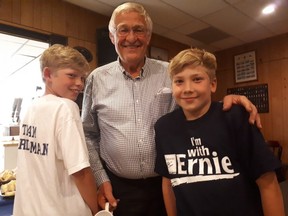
276	147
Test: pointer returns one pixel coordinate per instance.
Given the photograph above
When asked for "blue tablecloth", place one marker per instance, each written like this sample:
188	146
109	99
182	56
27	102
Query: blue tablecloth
6	206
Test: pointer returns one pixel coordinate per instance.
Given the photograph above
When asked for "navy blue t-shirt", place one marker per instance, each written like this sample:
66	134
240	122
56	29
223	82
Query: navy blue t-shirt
213	162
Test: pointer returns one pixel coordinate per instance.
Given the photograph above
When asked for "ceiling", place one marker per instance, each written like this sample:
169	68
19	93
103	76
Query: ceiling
18	54
209	24
20	75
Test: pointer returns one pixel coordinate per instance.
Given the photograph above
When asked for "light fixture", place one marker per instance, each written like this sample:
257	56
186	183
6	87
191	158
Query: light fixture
269	9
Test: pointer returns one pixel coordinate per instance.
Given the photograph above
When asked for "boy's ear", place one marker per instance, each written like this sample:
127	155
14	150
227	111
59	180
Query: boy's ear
213	85
47	73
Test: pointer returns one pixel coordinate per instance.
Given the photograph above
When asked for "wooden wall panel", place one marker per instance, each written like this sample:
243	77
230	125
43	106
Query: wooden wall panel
285	107
275	101
272	64
46	16
72	21
58	17
90	46
16	11
167	44
6	8
83	30
38	15
27	12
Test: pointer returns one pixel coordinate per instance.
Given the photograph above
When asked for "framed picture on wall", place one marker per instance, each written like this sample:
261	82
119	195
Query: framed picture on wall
245	67
158	53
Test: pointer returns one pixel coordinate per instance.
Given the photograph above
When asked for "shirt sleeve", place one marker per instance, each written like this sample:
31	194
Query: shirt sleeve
92	132
253	152
160	163
72	147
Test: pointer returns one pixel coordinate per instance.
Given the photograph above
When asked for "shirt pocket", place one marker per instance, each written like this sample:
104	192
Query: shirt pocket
163	103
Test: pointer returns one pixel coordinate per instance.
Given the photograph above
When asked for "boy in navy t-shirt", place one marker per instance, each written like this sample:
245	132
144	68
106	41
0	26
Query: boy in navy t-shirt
212	162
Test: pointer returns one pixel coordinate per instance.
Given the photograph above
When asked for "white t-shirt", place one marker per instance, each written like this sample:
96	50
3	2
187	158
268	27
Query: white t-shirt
51	148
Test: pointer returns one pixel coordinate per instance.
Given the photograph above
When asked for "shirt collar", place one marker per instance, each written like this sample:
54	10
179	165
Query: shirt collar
128	76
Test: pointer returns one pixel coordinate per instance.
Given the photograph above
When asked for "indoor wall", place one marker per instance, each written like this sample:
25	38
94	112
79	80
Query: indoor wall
272	69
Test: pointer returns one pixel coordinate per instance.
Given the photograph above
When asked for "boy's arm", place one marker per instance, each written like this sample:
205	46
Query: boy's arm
169	198
86	185
271	195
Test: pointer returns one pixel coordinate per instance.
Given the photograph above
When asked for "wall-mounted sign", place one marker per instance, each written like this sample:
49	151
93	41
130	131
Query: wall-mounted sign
257	94
245	67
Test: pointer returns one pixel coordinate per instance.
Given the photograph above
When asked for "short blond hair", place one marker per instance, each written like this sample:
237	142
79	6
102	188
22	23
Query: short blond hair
59	56
193	57
130	7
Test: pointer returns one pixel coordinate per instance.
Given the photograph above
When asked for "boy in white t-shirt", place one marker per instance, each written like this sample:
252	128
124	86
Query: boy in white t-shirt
54	175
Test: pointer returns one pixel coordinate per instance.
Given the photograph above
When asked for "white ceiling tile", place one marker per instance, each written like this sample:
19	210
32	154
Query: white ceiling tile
94	5
254	34
195	8
20	61
8	48
10	38
190	42
31	51
174	36
18	53
232	1
37	44
112	3
231	21
158	29
228	43
191	27
278	27
176	19
166	15
254	10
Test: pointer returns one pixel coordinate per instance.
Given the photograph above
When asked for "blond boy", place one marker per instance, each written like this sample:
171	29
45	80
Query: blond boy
215	161
54	175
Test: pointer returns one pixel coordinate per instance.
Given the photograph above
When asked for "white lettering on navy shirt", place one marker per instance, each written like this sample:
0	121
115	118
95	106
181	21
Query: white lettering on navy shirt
199	164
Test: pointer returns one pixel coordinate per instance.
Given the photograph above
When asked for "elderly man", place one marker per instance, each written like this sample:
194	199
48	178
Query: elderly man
122	101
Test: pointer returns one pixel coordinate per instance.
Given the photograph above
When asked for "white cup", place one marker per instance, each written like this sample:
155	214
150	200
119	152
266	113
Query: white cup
105	212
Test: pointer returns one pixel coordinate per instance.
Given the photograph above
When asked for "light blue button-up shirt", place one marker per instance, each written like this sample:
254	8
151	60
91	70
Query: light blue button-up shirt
119	114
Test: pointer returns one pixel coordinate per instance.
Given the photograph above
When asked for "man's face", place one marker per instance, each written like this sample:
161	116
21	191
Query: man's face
131	38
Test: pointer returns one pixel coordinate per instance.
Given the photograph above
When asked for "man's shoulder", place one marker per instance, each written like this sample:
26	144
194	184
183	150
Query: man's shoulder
105	68
155	62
